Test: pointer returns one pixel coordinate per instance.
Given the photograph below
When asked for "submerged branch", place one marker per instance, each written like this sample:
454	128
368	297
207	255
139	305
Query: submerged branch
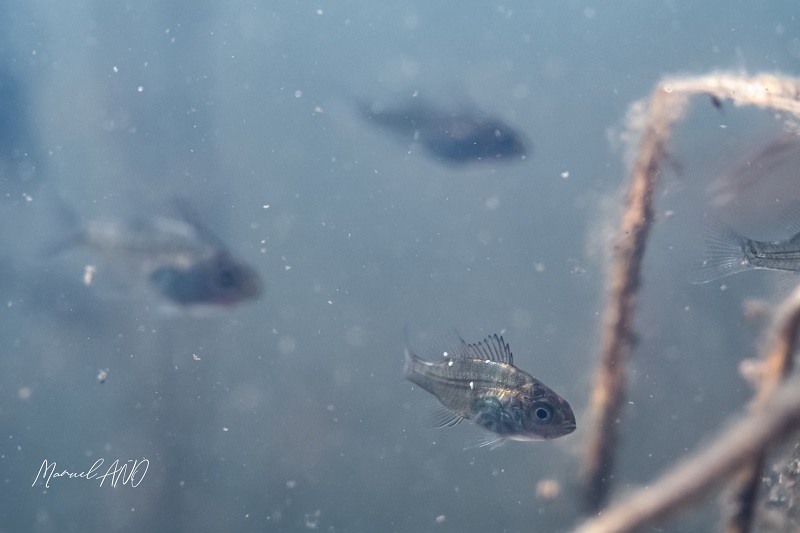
686	483
777	361
769	91
666	107
608	393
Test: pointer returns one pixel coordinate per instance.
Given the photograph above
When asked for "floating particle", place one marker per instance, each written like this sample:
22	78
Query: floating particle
88	274
756	309
548	489
752	370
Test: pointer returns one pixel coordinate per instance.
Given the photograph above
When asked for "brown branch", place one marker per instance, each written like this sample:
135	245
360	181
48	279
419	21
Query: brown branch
777	363
686	483
608	393
779	93
775	413
666	106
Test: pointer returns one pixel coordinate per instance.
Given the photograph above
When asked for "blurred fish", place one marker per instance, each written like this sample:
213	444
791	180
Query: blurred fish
727	252
456	137
479	382
758	178
179	257
220	279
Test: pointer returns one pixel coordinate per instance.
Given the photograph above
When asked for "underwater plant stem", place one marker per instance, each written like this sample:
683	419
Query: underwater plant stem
777	362
666	106
779	93
608	392
687	483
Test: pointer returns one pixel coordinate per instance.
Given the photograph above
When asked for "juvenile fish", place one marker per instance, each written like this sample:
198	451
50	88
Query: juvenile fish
219	280
455	136
727	252
479	382
180	258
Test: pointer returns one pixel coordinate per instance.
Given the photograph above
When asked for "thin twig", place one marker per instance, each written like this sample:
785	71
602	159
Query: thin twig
772	417
608	392
779	93
777	363
774	414
686	483
666	107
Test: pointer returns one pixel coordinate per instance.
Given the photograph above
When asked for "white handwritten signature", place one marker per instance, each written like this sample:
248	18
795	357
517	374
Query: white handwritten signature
129	474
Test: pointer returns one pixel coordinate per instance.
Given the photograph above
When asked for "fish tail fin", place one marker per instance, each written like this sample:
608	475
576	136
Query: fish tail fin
412	362
411	359
408	363
724	253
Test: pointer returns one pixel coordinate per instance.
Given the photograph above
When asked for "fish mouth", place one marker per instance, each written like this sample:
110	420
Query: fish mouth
569	428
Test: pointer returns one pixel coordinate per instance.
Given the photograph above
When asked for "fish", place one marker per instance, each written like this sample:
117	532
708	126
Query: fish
757	177
221	280
457	137
479	382
179	257
728	252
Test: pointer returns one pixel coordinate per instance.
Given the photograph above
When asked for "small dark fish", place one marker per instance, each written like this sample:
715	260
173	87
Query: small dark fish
727	252
457	137
756	178
479	382
181	259
716	102
219	280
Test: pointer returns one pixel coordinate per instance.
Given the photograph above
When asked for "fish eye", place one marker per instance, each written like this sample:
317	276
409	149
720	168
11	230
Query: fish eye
543	413
226	278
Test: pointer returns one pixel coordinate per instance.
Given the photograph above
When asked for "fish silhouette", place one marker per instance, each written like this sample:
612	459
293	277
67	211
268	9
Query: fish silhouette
457	137
179	257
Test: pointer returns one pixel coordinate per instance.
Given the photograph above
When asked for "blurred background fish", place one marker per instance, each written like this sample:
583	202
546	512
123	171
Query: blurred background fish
479	382
217	280
758	181
178	257
454	136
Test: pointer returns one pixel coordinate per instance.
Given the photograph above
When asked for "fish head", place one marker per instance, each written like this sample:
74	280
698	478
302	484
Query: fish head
230	280
219	280
506	142
545	414
530	412
463	140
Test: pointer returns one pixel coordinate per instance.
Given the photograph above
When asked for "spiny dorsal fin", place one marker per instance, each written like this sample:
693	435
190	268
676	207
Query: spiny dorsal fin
492	348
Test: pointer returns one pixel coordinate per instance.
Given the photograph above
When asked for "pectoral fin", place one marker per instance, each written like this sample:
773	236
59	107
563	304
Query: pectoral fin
439	416
482	440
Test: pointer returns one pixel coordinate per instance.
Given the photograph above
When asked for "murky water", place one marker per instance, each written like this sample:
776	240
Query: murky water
290	413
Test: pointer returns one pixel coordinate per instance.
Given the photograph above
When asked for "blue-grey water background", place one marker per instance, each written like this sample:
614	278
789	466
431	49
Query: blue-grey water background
290	413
